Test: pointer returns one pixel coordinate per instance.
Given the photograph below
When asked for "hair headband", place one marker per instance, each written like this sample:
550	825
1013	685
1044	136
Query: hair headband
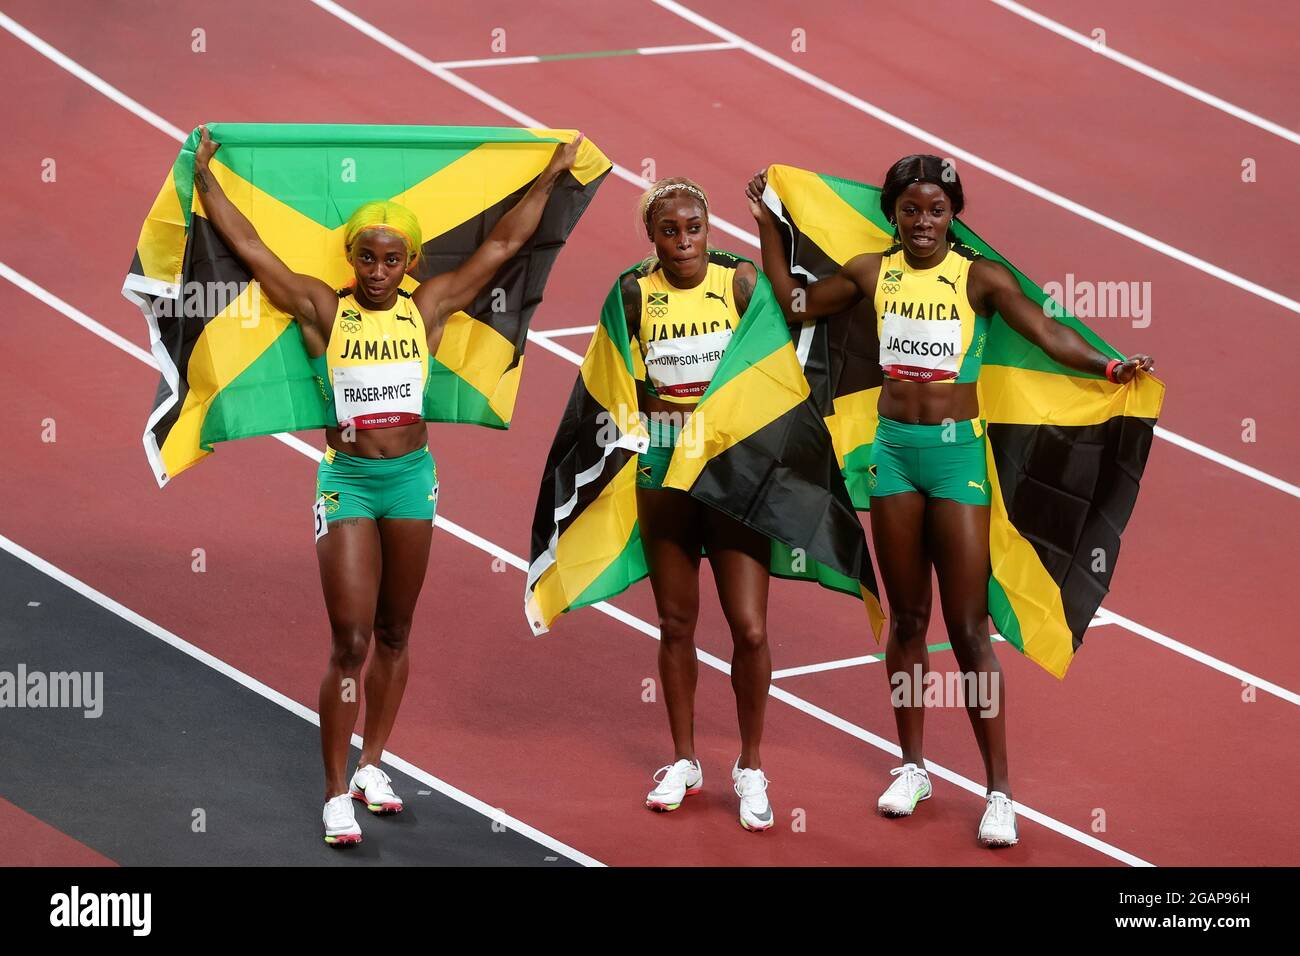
673	187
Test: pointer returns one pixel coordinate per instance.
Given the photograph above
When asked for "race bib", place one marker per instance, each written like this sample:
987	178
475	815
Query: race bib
920	350
379	396
684	367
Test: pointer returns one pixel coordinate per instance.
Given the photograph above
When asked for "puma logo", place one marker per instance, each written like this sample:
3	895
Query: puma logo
406	318
980	486
948	281
714	295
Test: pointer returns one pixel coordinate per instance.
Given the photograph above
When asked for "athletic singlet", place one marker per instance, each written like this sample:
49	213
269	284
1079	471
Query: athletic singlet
928	331
683	332
374	369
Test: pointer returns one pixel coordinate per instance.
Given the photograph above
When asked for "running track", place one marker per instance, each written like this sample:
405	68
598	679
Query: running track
555	731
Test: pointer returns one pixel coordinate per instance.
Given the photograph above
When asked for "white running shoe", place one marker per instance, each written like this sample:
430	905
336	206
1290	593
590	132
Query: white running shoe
751	787
374	788
998	827
911	787
340	822
675	781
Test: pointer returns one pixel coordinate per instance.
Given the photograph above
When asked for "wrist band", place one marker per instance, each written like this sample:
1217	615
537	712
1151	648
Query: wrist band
1110	370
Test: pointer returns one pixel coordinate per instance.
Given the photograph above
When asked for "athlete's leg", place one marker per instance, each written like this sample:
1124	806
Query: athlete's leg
405	544
958	538
349	557
897	532
739	557
671	535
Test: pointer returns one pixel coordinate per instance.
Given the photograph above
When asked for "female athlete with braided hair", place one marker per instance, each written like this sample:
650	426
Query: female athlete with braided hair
682	305
377	486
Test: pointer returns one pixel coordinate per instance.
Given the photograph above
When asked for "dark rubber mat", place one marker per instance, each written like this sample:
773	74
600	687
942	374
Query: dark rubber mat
178	744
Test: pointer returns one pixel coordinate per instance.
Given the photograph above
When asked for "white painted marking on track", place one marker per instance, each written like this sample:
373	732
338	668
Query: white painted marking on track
87	77
943	773
1199	656
1241	468
545	342
572	330
635	623
948	148
1137	66
491	61
394	45
288	703
685	48
845	662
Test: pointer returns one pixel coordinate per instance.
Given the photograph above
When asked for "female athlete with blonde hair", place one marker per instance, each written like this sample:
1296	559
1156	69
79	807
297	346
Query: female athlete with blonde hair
682	305
377	486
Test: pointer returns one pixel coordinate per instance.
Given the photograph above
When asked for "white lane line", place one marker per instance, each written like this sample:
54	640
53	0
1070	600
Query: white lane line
1137	66
845	662
572	330
126	102
402	50
1219	458
950	149
89	78
956	779
557	349
618	614
1200	656
288	703
560	350
595	55
486	61
685	48
394	45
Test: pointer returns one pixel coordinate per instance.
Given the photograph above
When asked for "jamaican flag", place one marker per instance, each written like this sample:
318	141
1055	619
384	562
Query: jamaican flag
756	448
234	366
1066	450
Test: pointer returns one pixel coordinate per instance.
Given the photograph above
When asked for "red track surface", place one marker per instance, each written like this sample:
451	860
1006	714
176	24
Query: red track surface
554	731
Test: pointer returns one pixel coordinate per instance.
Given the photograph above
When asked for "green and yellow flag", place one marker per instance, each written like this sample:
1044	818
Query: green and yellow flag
234	366
756	447
1066	450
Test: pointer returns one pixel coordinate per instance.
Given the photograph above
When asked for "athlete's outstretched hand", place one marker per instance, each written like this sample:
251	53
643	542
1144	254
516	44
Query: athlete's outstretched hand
754	193
564	156
1127	370
207	146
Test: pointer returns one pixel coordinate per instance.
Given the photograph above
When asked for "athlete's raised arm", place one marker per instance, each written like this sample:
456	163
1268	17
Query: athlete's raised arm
304	297
993	288
835	293
448	292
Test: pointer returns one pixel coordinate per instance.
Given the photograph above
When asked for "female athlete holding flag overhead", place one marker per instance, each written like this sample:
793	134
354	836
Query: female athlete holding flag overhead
930	494
377	486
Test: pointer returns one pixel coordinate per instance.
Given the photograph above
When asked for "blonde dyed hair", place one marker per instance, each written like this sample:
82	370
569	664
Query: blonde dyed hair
387	215
664	189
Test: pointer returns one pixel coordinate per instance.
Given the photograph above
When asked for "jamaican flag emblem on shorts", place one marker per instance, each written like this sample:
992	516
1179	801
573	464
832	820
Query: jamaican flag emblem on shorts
658	305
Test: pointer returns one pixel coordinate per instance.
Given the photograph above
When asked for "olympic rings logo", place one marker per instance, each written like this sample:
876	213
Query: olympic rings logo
349	326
